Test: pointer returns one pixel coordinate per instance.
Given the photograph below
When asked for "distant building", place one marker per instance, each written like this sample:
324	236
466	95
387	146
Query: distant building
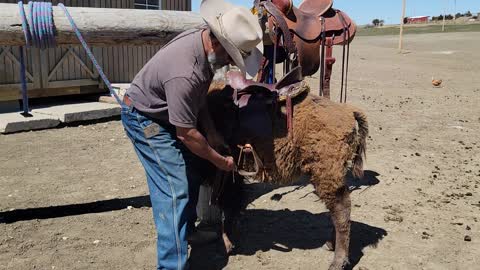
418	19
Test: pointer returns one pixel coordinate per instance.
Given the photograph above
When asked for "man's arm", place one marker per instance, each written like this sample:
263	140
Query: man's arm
182	98
195	141
214	138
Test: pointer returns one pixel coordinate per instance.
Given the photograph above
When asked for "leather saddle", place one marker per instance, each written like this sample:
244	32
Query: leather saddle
302	28
288	85
256	101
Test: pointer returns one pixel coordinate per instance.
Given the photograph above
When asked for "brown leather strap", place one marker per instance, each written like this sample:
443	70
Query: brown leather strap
289	108
347	36
329	61
261	72
282	24
322	56
345	29
275	40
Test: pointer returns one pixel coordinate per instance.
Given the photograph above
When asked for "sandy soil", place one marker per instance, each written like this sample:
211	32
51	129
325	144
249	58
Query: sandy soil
76	197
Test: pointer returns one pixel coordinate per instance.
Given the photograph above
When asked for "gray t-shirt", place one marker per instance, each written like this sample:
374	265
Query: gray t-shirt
173	85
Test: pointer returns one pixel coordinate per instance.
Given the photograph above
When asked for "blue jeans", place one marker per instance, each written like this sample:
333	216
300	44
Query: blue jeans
173	177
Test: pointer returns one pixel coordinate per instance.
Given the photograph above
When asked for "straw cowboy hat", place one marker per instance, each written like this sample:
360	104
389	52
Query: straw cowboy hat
239	32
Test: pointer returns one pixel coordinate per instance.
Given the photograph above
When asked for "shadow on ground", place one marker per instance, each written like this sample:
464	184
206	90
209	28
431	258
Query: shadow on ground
285	230
259	229
74	209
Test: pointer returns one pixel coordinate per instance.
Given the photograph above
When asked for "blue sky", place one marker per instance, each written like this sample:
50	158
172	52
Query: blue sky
364	11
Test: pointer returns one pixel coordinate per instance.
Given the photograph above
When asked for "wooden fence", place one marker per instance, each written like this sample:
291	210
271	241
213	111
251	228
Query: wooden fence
67	70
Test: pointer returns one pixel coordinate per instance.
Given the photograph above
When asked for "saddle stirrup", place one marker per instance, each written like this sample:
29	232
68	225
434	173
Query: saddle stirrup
257	163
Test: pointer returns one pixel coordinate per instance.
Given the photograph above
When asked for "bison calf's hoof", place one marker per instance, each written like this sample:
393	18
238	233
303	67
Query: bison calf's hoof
228	244
339	265
330	245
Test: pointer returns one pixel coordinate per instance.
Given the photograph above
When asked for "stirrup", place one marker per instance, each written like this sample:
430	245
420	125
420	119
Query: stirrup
245	151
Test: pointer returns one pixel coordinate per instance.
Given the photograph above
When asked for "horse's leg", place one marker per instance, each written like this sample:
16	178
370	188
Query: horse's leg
340	214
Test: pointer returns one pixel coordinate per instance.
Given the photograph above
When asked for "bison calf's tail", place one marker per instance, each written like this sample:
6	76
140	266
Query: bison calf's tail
360	153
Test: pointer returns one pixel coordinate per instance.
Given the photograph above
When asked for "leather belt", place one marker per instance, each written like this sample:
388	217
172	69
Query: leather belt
127	101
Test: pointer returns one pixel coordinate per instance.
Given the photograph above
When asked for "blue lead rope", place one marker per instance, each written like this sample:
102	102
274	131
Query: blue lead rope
23	78
39	33
89	53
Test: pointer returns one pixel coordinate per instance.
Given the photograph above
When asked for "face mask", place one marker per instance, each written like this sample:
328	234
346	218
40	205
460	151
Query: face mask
212	60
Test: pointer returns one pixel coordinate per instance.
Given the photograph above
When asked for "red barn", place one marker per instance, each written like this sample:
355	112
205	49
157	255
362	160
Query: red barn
418	19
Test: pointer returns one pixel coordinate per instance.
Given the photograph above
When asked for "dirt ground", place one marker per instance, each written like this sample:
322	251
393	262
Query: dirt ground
76	197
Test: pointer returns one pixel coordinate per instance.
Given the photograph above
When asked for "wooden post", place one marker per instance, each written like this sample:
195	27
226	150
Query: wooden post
104	26
455	12
444	15
400	43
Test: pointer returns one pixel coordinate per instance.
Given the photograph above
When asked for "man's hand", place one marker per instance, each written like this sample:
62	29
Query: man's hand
195	141
226	164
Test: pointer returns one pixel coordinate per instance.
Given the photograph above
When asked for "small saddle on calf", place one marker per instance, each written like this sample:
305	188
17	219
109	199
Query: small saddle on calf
288	85
256	101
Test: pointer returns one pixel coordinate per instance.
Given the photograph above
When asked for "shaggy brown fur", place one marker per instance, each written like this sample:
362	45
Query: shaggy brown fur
328	138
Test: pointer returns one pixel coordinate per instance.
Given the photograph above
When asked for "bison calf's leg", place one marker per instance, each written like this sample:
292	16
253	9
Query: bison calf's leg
330	244
340	214
227	228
